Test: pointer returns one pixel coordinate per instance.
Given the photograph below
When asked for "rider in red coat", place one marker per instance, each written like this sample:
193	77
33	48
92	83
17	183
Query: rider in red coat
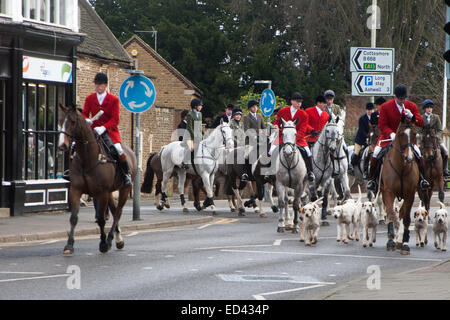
292	113
391	113
317	118
107	125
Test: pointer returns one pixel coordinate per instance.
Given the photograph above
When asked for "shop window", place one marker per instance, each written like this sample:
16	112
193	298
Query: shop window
42	158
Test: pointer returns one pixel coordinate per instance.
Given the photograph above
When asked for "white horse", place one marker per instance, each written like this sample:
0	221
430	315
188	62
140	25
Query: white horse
326	144
291	173
340	164
207	156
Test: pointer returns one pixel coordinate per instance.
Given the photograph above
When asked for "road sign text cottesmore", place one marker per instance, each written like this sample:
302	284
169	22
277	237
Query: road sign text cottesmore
371	59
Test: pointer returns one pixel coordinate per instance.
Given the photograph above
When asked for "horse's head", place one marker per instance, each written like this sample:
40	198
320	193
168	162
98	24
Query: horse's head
289	136
374	134
429	144
406	138
70	127
227	135
332	135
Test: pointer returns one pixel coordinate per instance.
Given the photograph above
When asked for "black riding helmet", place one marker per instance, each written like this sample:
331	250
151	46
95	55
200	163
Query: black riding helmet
101	78
428	104
195	103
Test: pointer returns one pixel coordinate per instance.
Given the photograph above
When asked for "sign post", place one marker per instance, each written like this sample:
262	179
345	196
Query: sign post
372	71
137	95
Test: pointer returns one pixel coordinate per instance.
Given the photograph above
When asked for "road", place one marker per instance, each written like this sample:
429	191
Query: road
231	258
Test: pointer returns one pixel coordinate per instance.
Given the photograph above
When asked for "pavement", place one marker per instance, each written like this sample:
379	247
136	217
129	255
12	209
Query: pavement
56	225
426	283
429	283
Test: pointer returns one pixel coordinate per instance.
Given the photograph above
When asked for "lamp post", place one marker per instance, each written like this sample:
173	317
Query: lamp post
154	33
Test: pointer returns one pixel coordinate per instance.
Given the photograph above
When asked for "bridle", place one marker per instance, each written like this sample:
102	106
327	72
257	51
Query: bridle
289	158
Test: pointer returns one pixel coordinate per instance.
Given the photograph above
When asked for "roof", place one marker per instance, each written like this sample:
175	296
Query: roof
162	61
99	42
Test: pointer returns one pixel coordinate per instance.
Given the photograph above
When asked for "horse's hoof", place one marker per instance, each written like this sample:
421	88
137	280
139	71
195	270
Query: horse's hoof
436	245
120	245
390	246
103	247
241	214
198	206
370	244
381	222
444	249
167	205
295	230
185	210
417	244
338	240
422	244
280	230
159	207
263	215
288	227
68	250
274	209
302	240
233	210
307	244
345	241
324	224
405	250
364	245
398	246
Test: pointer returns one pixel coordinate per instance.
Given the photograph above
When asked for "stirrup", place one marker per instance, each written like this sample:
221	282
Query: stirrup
127	180
371	185
424	184
184	166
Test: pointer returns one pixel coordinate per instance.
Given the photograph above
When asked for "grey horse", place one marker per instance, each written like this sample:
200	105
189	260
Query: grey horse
325	146
291	173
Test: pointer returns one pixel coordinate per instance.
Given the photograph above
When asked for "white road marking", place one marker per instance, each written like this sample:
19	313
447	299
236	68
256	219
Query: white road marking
35	278
20	272
147	268
242	246
277	242
132	234
332	255
50	241
332	275
261	295
169	256
131	255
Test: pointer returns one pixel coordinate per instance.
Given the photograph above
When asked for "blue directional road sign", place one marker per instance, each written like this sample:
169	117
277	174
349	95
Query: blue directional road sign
137	94
267	103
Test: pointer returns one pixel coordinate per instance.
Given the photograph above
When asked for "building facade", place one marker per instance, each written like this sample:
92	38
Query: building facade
38	49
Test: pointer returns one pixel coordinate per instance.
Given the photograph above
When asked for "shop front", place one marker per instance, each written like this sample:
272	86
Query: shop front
37	73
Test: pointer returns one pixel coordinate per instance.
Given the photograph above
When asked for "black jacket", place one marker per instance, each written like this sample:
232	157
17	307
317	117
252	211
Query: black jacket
363	129
216	122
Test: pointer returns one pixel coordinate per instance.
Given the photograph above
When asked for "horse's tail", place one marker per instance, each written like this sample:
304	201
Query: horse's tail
147	185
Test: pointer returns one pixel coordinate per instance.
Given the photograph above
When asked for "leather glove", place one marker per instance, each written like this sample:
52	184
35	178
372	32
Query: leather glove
100	130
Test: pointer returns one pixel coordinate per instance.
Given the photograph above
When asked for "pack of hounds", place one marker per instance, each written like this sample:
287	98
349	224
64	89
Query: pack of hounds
353	215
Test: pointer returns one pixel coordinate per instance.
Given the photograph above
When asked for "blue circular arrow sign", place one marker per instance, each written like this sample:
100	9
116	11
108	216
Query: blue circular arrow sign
267	103
137	94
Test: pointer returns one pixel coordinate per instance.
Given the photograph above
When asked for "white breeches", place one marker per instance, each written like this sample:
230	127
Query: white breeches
377	150
119	149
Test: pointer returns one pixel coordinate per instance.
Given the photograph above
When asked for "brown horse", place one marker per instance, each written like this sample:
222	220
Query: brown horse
433	166
400	178
93	172
154	168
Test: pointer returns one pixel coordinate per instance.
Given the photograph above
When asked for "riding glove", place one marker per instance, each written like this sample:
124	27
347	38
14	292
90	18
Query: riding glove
100	130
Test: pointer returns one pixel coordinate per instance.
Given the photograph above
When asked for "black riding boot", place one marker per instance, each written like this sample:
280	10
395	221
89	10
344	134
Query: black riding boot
309	169
366	166
423	184
445	165
373	174
125	170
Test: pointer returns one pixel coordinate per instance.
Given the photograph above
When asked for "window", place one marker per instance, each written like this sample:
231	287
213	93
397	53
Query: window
4	7
42	158
49	11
